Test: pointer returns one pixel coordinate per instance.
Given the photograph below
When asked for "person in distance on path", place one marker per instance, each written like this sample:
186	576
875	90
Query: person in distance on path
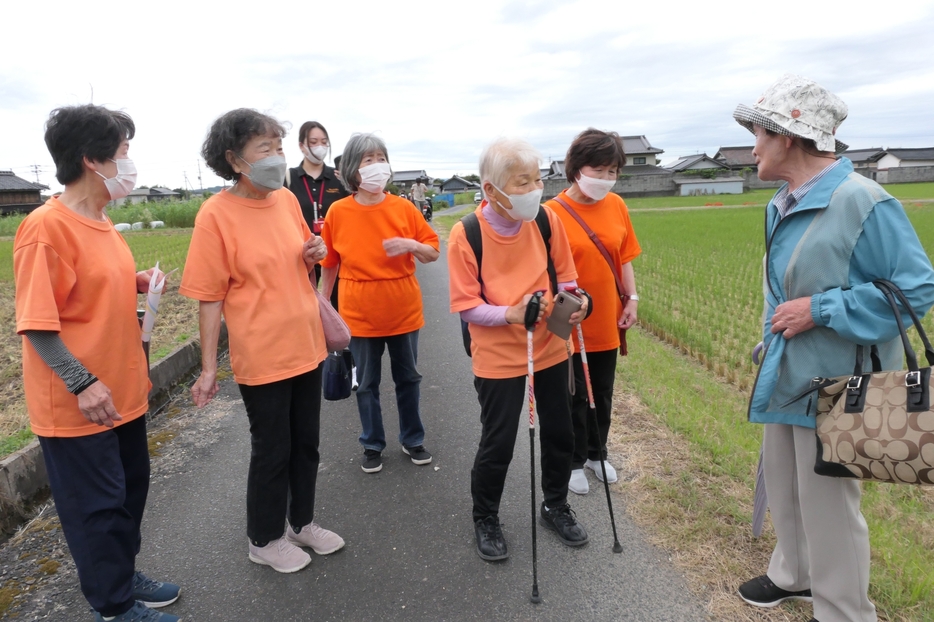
373	239
252	258
84	369
514	266
592	166
829	233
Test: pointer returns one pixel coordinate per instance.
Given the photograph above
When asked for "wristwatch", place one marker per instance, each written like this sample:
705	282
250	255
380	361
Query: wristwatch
634	297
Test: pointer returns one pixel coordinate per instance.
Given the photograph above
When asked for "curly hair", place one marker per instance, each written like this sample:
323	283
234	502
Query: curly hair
231	132
73	133
593	148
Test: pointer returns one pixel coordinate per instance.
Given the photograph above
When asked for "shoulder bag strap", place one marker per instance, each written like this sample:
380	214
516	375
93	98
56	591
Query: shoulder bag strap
600	247
475	239
544	227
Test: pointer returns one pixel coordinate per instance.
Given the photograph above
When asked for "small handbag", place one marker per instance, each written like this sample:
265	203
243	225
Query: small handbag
879	426
336	331
337	376
623	348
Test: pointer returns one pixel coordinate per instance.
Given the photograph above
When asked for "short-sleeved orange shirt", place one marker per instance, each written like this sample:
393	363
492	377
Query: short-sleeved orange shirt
379	296
609	219
77	277
248	253
513	266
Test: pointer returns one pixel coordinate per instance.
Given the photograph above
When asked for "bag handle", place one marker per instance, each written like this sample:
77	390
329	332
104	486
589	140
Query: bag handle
892	292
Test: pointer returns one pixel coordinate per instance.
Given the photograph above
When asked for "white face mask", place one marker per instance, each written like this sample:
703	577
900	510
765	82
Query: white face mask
123	183
524	206
315	154
374	177
595	188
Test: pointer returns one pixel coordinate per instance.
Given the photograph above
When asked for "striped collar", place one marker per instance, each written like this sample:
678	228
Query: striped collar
786	201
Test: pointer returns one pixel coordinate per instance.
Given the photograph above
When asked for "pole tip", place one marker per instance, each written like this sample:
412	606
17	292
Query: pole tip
617	547
536	599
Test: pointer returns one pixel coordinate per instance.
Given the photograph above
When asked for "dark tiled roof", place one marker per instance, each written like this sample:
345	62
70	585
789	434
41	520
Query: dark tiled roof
643	169
689	162
925	153
9	181
736	156
864	155
638	145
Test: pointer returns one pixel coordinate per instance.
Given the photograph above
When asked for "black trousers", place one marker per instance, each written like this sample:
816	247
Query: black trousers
285	421
99	484
590	441
501	412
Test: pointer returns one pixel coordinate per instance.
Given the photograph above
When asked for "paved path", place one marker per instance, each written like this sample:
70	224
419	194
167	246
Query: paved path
410	551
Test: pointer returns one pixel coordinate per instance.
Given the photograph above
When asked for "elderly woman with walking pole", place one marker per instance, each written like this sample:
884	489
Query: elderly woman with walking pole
84	370
829	233
525	252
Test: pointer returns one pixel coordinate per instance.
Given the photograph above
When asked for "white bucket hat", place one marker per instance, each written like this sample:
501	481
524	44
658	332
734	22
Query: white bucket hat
796	106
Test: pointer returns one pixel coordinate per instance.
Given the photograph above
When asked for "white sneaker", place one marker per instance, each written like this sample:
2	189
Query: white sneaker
320	540
578	482
281	555
353	378
594	465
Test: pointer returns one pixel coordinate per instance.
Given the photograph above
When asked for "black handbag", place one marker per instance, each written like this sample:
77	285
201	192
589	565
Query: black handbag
337	376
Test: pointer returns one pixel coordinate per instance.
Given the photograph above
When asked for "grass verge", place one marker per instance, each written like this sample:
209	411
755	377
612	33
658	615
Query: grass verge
444	223
689	474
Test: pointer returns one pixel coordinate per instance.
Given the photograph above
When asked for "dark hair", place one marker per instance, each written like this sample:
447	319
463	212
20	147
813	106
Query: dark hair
593	148
337	161
73	133
807	145
231	132
307	126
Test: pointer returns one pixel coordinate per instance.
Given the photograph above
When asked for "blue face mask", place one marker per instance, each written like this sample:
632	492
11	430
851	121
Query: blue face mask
268	172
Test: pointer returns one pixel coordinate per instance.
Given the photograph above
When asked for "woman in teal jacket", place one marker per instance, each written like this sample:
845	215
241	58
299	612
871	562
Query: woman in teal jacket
829	233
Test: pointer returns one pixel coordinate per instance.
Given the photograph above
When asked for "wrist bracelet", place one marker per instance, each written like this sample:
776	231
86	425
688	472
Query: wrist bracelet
633	297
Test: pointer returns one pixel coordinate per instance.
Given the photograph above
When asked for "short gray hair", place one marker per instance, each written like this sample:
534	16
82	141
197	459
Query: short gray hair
357	148
503	156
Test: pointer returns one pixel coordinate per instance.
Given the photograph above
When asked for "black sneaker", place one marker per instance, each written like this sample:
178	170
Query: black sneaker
761	592
562	521
418	454
372	461
491	545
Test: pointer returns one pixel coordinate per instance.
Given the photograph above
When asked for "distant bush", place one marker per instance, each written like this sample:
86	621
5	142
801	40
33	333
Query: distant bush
175	214
463	198
440	203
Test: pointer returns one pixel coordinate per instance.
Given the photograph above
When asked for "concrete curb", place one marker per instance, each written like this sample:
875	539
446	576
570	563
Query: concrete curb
23	475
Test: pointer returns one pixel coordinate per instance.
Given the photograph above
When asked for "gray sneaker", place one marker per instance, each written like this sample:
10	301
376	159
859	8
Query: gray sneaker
280	555
318	539
140	613
372	461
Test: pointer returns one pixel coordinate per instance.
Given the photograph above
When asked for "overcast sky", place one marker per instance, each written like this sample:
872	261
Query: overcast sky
439	80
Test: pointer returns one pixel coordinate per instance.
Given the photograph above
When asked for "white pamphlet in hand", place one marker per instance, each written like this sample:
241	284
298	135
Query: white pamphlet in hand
156	285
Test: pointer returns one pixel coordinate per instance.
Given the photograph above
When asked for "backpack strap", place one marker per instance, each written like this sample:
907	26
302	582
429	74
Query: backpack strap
544	227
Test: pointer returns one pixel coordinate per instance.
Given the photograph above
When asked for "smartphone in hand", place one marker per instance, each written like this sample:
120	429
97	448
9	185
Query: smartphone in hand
564	306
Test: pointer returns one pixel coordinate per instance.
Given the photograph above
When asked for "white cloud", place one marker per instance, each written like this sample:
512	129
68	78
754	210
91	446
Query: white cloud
440	80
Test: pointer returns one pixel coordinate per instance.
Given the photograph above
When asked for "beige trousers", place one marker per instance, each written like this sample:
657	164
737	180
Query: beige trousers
823	540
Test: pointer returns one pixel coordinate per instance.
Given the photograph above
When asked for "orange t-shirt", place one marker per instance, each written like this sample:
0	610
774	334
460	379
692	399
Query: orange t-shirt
76	276
609	219
513	266
379	295
248	253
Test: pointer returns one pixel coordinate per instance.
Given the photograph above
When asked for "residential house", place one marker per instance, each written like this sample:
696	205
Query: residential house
143	195
699	174
737	158
19	195
865	158
458	184
895	158
639	150
407	179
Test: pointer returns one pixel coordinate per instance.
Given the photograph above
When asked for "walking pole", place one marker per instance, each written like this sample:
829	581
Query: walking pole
617	547
531	317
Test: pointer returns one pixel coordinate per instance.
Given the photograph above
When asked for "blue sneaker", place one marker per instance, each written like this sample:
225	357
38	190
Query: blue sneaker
140	613
153	594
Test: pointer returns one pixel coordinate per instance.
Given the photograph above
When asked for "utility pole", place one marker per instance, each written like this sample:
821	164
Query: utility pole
35	169
200	185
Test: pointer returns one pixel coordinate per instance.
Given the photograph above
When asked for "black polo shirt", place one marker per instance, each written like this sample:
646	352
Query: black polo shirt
324	190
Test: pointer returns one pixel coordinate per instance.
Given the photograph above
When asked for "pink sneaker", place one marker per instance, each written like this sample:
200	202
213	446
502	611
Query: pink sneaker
281	555
320	540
